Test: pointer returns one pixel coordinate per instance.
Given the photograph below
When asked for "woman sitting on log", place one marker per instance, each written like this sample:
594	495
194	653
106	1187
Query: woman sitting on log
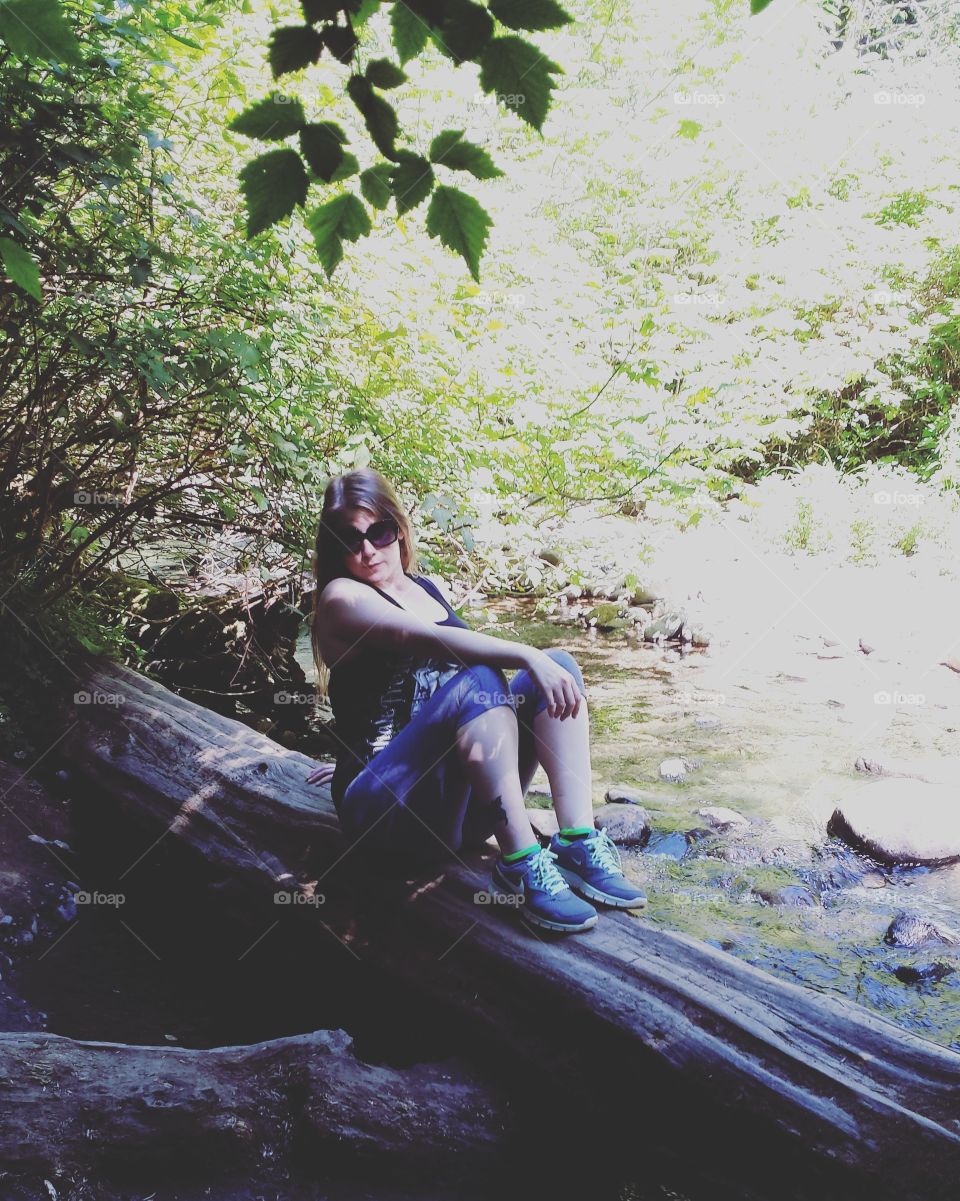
437	749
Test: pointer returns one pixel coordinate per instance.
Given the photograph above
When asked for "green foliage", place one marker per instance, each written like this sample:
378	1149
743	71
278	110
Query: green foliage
515	71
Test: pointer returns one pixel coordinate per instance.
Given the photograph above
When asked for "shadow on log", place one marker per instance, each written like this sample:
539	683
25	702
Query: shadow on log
781	1090
306	1098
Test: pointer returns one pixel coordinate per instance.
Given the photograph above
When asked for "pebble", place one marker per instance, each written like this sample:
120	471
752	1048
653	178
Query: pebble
722	818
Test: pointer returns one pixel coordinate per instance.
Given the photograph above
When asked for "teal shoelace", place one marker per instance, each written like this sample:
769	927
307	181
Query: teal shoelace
543	874
602	852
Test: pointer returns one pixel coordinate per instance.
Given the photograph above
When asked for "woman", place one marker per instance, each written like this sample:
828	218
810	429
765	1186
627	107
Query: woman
437	750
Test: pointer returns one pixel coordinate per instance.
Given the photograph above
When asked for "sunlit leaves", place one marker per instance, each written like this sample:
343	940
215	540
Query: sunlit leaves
273	185
412	181
375	184
379	118
450	149
409	32
272	119
38	29
294	47
465	30
530	14
21	267
382	73
460	223
520	76
342	217
322	146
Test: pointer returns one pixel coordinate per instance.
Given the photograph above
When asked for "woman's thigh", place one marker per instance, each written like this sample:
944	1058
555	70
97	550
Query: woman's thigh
405	800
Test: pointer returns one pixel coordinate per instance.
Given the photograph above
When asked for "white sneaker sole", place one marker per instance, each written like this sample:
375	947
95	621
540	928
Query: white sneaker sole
583	889
533	919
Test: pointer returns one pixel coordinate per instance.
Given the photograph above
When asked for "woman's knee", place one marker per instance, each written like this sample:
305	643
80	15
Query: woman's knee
567	661
491	684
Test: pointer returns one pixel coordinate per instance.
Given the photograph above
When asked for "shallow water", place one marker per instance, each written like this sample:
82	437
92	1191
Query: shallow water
785	730
784	726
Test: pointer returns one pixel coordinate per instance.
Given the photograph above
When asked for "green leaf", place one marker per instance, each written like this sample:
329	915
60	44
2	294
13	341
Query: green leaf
326	10
530	14
466	29
272	119
382	73
37	29
21	267
348	166
449	149
340	40
460	223
689	129
375	184
378	116
412	180
343	217
294	47
520	76
273	185
321	144
365	10
409	32
757	6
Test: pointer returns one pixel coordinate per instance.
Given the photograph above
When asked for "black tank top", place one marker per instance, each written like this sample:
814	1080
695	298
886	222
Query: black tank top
376	692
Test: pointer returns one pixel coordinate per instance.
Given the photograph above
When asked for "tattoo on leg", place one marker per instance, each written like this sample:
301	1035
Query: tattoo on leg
495	809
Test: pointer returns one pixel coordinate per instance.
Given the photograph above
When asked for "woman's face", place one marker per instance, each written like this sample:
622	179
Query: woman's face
371	563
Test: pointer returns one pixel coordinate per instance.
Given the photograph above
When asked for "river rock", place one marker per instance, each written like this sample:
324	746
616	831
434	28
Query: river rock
791	896
906	930
627	825
925	973
544	822
900	821
674	845
663	628
675	770
623	794
721	818
608	616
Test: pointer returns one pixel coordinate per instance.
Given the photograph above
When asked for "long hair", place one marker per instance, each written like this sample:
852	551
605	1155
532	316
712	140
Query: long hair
365	489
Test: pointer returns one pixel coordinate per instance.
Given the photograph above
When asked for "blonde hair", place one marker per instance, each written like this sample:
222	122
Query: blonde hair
365	489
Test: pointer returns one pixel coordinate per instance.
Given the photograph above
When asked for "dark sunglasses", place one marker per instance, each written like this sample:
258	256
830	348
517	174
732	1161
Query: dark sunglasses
378	534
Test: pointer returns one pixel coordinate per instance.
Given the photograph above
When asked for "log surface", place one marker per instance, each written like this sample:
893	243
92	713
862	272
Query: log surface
712	1049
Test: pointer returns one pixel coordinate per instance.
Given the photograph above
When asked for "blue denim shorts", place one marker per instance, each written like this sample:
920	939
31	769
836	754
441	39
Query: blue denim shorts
412	803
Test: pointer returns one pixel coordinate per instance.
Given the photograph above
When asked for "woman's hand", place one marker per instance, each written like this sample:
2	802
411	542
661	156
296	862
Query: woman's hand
322	773
556	684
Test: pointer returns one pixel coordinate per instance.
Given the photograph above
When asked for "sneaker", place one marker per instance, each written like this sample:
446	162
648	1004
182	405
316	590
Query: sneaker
547	899
591	866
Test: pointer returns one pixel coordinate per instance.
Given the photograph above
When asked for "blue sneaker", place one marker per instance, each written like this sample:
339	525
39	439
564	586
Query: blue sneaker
591	866
547	899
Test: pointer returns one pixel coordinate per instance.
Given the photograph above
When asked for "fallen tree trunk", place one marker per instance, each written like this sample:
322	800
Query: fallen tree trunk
306	1096
763	1076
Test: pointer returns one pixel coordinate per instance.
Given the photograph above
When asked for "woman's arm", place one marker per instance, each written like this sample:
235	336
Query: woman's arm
355	613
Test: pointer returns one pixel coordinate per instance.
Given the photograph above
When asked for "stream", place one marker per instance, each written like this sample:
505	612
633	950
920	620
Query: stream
776	745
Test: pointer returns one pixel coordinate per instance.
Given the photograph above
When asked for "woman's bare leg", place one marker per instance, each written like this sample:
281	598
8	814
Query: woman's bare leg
563	748
488	746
